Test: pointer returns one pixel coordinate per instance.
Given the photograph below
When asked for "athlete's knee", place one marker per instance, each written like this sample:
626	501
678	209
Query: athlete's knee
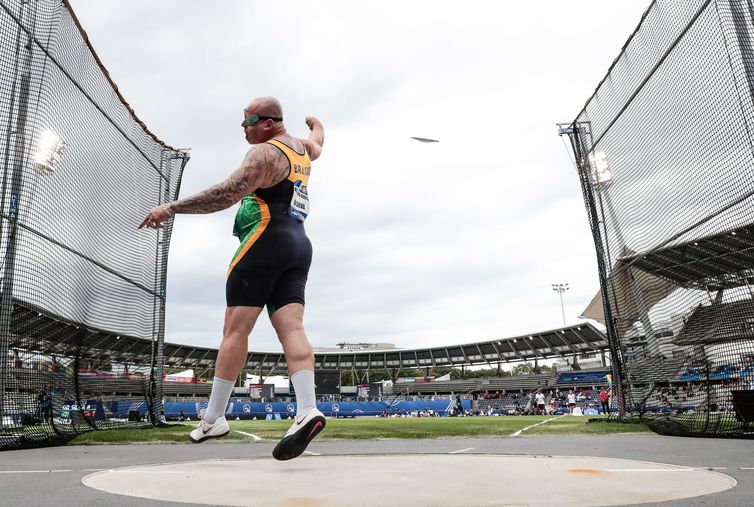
233	335
290	330
298	350
234	341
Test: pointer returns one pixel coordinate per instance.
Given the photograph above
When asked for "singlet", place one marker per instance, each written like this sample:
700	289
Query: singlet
287	200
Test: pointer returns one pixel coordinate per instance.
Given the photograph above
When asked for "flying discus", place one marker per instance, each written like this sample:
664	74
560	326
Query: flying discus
425	140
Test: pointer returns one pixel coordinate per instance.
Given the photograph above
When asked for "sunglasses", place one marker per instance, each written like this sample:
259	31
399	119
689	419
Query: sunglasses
252	119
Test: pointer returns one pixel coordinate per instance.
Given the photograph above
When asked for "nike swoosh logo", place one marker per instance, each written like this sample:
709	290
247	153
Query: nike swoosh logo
318	425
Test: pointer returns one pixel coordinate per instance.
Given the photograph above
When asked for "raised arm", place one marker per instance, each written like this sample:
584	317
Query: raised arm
316	137
254	172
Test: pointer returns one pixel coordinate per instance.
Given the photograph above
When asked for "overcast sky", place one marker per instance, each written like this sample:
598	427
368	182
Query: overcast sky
415	244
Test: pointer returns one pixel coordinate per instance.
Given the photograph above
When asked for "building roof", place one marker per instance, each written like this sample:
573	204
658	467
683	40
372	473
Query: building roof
41	332
722	261
718	323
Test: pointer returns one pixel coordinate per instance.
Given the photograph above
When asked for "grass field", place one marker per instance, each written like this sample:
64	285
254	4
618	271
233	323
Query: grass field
374	429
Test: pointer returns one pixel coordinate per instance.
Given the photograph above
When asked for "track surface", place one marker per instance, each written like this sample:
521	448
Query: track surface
53	476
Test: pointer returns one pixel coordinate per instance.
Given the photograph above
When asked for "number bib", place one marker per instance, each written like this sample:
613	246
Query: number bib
299	208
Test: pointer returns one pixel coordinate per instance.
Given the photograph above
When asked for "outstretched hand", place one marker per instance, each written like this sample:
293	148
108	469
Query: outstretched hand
157	216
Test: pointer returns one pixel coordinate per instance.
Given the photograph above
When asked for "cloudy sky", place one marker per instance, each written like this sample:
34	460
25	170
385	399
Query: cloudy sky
415	244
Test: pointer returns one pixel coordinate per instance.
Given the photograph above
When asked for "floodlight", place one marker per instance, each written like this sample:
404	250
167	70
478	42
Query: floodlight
49	150
600	169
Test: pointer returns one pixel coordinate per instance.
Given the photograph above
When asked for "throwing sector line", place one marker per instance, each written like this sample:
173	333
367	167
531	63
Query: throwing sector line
534	425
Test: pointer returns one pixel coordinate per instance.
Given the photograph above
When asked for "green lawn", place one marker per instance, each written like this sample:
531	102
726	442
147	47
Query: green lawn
576	425
373	428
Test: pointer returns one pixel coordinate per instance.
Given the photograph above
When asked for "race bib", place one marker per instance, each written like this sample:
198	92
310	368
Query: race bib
299	208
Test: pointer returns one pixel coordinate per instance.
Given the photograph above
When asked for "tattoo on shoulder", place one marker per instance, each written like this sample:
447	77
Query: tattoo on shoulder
278	165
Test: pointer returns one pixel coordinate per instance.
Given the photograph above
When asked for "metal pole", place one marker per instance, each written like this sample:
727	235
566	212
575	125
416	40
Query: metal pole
158	322
18	154
560	288
580	152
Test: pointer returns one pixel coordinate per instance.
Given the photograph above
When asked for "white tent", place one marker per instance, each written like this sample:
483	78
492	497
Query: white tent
183	376
630	289
280	382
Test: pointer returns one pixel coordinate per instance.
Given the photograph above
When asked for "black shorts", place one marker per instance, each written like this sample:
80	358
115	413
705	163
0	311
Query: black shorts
274	269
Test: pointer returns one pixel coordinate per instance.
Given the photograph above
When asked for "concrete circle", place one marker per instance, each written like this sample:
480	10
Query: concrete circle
416	480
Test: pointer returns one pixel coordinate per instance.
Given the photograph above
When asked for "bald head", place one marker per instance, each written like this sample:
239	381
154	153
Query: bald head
266	106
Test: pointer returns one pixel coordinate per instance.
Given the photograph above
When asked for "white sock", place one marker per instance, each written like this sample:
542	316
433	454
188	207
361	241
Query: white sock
218	399
303	384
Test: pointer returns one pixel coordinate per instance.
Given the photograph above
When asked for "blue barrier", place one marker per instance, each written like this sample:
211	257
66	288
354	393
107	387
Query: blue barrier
584	377
120	409
330	409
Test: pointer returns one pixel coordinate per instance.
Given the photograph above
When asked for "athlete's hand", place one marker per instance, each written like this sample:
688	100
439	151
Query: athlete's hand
157	216
311	121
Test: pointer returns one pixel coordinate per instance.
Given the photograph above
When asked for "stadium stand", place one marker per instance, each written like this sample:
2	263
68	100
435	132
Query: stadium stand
553	344
656	369
584	377
519	383
186	389
525	382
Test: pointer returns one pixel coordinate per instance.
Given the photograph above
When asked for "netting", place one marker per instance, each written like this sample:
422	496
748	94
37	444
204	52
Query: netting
665	153
82	295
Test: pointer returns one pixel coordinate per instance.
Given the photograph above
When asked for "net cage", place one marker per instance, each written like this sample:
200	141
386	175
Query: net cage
82	299
665	155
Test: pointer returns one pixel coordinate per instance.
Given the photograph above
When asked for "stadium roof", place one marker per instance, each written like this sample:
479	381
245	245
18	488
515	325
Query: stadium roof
718	323
54	335
722	261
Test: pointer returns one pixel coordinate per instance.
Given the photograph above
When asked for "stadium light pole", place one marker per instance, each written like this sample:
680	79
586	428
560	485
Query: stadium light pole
560	288
14	163
580	135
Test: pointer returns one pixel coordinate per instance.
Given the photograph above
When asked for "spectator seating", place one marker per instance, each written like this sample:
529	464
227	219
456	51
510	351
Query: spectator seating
655	369
186	389
522	382
583	377
525	382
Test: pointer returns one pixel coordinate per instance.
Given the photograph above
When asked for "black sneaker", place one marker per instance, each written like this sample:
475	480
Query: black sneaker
303	430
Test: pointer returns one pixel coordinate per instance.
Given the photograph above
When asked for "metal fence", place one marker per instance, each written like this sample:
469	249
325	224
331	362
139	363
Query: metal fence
79	172
665	155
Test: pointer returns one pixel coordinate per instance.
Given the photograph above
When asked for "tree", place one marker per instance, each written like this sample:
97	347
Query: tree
522	369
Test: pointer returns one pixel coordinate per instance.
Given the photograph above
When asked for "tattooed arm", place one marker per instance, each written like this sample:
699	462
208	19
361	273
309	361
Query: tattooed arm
255	172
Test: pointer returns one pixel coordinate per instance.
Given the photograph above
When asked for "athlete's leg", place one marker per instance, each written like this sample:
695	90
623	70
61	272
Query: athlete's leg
288	322
239	321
